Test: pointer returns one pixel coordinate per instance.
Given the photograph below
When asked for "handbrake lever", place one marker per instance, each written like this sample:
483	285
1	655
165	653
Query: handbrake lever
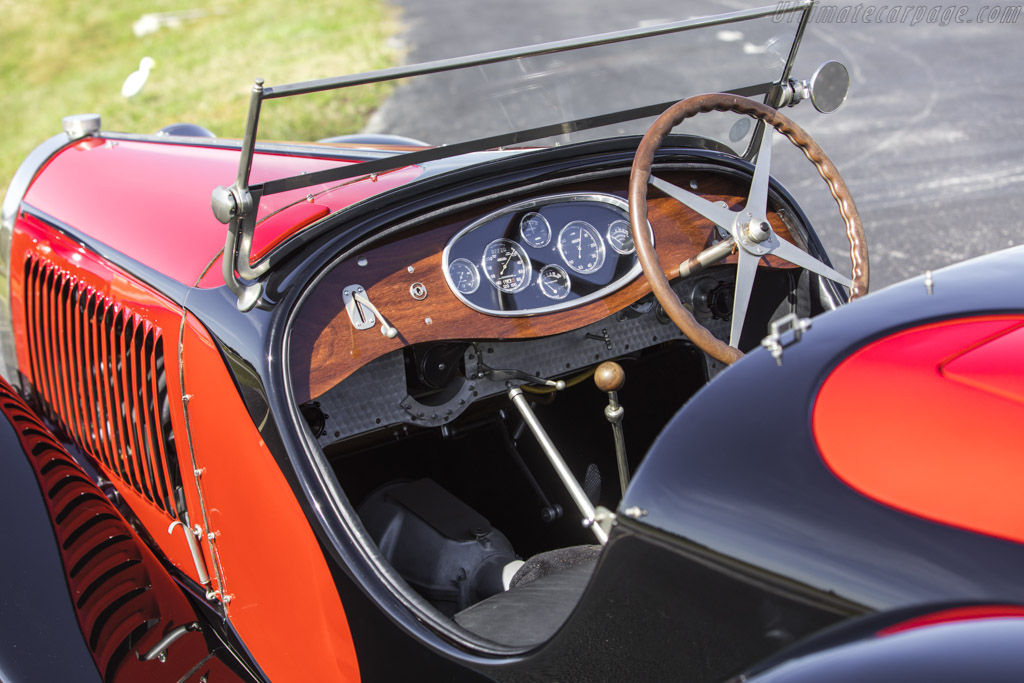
555	458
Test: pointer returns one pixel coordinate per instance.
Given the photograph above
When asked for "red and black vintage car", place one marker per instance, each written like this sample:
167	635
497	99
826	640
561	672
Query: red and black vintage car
377	432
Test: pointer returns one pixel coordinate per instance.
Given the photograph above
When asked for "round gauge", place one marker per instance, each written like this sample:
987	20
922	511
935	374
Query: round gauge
506	265
581	247
621	237
535	229
554	282
464	275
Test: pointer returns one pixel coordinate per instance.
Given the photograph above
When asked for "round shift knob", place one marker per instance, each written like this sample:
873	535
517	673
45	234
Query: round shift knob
609	376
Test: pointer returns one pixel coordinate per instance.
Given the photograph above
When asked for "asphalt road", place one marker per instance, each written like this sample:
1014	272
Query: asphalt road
930	141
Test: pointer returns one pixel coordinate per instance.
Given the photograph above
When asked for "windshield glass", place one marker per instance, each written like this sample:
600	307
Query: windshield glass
569	91
601	91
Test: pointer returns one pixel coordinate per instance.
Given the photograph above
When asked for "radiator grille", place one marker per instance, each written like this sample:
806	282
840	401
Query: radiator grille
98	369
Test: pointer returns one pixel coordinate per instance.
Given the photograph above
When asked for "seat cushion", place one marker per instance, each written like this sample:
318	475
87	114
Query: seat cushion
553	561
530	613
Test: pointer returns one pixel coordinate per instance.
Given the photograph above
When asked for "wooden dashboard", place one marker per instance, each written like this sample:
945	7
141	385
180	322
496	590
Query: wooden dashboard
326	348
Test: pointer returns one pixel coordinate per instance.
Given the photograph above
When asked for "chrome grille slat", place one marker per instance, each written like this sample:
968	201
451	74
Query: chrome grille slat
46	353
90	364
78	362
58	314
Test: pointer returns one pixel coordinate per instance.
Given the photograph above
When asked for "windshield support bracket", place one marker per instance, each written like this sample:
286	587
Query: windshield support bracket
234	206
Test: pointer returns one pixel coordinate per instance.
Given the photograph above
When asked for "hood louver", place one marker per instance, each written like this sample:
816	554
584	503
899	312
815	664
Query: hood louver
98	370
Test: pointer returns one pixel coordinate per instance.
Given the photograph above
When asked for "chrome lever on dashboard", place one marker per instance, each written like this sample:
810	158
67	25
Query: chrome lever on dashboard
362	313
609	377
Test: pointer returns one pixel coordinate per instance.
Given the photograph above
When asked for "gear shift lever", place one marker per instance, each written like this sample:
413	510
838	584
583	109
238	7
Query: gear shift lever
609	378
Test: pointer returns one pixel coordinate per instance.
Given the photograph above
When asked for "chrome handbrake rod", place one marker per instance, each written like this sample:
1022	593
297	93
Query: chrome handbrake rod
563	471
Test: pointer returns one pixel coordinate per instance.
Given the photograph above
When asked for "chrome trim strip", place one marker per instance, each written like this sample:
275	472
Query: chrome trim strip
357	153
12	203
611	287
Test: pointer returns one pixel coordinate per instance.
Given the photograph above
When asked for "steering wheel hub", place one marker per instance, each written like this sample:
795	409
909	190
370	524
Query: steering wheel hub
758	230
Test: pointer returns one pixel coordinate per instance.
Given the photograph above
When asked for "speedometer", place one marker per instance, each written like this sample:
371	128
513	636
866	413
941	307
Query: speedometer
506	265
581	247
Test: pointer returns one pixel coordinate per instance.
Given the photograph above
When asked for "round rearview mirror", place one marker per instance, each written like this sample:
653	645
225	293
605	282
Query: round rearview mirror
829	86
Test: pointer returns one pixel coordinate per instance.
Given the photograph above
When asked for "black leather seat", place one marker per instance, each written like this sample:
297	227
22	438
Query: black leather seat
541	596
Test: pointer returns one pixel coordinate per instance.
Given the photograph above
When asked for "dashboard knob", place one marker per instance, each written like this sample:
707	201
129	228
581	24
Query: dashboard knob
609	376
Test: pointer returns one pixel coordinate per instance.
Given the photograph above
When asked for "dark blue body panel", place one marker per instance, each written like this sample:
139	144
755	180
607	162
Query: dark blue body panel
976	650
737	472
40	639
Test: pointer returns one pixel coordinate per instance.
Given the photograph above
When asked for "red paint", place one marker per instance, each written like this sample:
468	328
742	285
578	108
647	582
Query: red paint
284	603
996	367
31	238
927	421
271	231
956	614
276	228
151	200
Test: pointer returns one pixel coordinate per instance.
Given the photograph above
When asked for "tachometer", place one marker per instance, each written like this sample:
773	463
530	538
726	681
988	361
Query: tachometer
464	275
581	247
506	265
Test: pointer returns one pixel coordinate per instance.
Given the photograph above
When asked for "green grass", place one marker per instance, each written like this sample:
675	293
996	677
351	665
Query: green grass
60	58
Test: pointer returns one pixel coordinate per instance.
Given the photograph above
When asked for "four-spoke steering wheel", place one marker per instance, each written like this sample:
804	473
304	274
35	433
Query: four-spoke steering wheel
750	233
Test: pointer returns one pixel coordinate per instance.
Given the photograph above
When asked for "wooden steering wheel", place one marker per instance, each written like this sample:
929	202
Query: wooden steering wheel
750	233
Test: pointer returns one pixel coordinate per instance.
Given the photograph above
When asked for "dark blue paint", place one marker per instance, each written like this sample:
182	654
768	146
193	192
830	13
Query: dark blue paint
981	650
40	639
737	472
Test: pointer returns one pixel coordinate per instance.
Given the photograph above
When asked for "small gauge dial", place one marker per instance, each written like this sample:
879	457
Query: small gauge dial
620	237
554	282
506	265
464	275
581	247
535	229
